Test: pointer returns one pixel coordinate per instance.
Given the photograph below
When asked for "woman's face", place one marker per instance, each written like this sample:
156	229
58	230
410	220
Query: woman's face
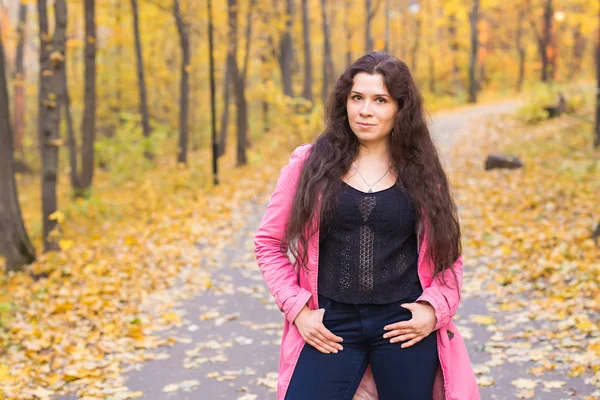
371	110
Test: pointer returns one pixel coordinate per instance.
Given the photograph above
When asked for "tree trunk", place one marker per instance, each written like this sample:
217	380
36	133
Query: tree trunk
14	241
307	92
327	59
597	138
227	83
244	73
520	49
578	52
119	56
51	65
386	39
240	79
229	78
546	44
265	74
368	38
88	124
474	18
141	79
184	42
286	51
430	47
416	45
74	157
19	82
348	31
454	53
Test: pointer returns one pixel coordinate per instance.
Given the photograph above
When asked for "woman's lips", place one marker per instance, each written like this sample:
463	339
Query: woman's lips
365	126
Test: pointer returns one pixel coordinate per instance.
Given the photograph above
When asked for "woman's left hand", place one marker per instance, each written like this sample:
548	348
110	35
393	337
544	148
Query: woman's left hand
421	324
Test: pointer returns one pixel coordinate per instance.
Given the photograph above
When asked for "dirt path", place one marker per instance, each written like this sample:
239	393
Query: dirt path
237	356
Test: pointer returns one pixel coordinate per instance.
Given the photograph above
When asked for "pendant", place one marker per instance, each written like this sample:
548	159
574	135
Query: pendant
370	191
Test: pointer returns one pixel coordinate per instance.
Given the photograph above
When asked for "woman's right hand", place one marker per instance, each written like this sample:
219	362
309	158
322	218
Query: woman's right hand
310	325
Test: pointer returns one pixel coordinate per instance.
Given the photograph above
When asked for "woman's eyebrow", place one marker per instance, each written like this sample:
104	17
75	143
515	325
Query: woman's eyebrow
375	95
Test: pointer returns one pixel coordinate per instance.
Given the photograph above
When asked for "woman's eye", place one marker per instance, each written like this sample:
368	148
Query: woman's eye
382	99
356	97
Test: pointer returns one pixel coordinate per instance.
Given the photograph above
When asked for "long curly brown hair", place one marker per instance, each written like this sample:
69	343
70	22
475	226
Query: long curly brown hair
413	152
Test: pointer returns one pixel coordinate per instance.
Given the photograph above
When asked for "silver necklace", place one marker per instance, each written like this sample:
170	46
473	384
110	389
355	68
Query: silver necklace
370	186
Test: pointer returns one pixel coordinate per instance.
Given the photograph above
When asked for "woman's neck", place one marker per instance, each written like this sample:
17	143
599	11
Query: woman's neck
374	154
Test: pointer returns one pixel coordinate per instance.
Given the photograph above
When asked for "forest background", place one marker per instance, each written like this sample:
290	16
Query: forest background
111	164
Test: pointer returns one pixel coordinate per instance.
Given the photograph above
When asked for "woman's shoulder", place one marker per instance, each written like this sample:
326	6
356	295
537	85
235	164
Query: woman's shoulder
301	152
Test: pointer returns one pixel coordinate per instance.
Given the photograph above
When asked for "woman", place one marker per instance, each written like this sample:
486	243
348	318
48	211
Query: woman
368	305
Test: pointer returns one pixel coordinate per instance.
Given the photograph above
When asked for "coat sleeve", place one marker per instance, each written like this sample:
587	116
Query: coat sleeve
443	294
276	267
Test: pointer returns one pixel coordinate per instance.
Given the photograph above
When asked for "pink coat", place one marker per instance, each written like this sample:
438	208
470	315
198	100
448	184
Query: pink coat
292	289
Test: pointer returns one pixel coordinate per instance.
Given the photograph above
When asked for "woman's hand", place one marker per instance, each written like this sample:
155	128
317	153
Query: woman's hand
421	324
310	325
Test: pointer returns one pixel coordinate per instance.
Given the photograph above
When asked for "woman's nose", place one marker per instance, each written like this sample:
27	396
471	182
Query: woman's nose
366	109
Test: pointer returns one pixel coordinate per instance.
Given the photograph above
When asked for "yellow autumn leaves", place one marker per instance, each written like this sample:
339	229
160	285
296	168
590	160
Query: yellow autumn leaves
527	233
99	300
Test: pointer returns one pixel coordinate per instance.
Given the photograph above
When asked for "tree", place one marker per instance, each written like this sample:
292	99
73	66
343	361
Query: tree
141	78
474	18
348	31
454	49
416	44
19	81
239	76
286	50
307	92
545	42
227	83
52	58
521	12
83	181
14	241
184	42
327	58
597	125
370	10
81	178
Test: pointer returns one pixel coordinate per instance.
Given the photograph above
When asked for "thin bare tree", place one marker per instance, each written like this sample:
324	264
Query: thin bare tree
327	57
19	82
597	124
52	58
140	74
474	19
184	86
307	90
14	241
286	50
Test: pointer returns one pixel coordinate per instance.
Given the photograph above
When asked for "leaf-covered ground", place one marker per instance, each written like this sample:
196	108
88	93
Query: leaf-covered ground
162	269
75	328
527	237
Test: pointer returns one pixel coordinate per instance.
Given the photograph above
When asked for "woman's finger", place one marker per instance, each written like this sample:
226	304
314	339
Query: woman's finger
397	332
316	346
326	342
322	347
410	343
402	338
328	337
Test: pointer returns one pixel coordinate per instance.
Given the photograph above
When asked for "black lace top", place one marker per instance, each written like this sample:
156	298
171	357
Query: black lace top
369	253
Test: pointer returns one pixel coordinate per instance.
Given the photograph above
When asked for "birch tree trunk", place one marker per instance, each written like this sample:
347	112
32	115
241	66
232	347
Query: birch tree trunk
51	64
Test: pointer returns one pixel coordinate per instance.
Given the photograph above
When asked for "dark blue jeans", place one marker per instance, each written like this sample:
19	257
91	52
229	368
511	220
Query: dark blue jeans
399	373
